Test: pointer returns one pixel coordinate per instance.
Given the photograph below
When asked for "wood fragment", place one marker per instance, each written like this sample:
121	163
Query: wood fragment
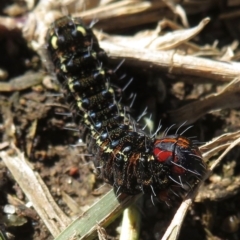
27	80
173	63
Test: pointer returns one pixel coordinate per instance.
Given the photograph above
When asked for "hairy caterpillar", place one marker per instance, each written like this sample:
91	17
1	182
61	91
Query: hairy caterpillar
125	157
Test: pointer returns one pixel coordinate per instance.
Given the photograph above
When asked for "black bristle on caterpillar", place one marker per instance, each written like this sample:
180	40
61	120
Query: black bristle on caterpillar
124	156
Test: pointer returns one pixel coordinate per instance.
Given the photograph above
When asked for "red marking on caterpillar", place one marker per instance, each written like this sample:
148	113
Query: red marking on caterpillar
124	156
180	152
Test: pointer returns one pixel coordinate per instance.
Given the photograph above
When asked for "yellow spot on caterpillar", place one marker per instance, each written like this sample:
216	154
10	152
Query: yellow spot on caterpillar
70	85
107	149
54	42
111	90
81	30
70	81
101	71
150	158
62	59
63	67
94	55
87	122
79	103
99	142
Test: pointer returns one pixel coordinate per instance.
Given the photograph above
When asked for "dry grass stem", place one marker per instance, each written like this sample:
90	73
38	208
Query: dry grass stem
173	63
35	190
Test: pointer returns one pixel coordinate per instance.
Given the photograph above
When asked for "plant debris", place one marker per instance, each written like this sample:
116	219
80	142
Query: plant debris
183	57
